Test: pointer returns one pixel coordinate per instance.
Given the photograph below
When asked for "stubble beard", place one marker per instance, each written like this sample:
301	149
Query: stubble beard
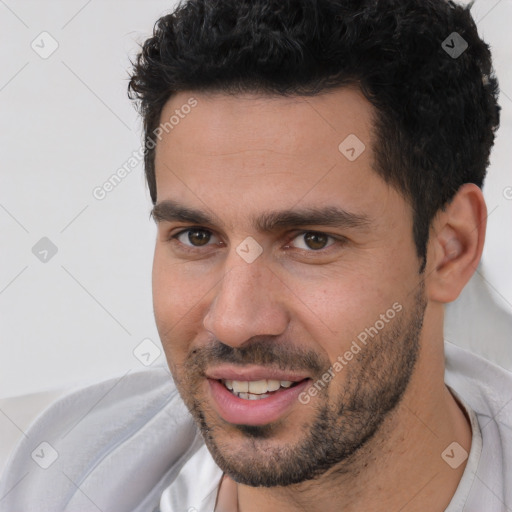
375	382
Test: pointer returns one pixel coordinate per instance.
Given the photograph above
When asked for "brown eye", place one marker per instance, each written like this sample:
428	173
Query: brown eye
194	237
312	241
198	237
316	240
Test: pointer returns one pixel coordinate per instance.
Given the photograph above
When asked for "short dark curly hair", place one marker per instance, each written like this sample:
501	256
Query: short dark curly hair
436	113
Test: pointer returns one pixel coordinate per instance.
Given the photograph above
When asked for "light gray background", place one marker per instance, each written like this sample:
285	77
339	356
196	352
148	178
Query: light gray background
67	126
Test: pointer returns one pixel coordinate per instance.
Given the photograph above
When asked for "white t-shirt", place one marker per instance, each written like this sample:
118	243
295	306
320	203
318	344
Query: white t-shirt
129	444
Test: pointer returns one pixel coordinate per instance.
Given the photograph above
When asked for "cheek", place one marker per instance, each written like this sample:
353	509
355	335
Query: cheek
347	303
181	291
178	295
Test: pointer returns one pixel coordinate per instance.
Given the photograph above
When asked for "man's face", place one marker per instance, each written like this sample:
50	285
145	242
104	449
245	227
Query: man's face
265	288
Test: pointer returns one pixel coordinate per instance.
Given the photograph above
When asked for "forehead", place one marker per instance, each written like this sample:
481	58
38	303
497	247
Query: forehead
241	152
292	125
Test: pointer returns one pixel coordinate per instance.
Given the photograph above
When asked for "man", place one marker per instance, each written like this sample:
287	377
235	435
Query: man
316	171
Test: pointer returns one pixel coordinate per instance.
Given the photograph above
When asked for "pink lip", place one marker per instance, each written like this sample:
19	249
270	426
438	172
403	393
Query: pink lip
229	372
239	411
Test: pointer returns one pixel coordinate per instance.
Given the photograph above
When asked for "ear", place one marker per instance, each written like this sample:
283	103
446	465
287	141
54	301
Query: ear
456	243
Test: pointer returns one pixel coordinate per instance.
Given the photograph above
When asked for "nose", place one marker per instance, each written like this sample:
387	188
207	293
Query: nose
248	303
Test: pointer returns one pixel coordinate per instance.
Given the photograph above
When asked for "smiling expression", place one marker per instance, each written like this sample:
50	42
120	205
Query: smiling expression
274	251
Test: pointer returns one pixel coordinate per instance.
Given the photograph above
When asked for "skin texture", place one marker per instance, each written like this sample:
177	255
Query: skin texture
235	157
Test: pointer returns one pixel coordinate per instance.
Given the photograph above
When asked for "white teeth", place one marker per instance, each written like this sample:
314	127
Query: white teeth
248	389
250	396
258	386
240	386
273	385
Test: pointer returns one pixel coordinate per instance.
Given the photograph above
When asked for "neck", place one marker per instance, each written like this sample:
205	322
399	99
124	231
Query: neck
399	468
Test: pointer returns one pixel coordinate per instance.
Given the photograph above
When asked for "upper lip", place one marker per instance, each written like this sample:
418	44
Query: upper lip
252	373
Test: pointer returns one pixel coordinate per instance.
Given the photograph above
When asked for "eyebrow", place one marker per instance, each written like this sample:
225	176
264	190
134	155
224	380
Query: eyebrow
172	211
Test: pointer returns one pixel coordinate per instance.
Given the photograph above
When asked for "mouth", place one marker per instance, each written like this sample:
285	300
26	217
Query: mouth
254	396
256	389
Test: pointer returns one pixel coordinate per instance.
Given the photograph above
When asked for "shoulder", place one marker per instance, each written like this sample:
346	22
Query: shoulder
485	386
487	389
111	445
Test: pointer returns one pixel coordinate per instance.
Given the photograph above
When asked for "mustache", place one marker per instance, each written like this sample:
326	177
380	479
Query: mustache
261	351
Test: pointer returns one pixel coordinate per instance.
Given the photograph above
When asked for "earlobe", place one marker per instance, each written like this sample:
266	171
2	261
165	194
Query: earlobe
456	244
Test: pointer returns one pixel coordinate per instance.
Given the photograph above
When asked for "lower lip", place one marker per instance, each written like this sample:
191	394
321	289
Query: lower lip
240	411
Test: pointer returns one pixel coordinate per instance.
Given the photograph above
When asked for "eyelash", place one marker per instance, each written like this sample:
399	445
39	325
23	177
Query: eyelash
192	249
